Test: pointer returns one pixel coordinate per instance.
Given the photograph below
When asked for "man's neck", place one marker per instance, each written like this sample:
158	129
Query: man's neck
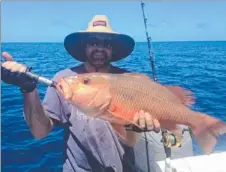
90	68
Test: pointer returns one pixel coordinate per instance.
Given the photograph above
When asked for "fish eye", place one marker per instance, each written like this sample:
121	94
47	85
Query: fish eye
86	81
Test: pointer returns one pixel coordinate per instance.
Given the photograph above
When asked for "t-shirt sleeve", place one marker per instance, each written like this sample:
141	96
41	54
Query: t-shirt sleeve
54	105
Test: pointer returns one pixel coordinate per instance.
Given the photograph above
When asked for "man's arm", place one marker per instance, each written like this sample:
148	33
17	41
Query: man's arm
41	116
40	124
37	114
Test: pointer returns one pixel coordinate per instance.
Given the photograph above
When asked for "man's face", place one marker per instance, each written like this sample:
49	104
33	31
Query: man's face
99	51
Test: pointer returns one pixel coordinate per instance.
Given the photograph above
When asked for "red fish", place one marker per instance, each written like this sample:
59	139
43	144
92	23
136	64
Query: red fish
117	97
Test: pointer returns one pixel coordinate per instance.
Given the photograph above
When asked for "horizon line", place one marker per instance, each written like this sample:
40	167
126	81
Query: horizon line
135	41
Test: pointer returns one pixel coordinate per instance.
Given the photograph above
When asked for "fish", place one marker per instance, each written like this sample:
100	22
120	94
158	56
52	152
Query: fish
116	98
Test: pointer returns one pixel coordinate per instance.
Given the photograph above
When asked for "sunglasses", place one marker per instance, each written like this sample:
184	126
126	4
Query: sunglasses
107	43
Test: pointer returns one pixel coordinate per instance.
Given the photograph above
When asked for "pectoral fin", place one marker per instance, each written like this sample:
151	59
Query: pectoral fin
100	102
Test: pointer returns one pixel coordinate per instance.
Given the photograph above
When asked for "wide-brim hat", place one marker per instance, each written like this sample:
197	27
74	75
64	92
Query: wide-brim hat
122	44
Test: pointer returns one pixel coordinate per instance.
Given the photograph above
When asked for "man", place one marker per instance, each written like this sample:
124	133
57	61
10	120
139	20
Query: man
90	144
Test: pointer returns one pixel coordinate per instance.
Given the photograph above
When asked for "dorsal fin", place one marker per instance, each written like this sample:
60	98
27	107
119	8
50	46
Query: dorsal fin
183	94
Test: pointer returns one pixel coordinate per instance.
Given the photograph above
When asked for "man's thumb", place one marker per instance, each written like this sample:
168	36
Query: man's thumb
7	56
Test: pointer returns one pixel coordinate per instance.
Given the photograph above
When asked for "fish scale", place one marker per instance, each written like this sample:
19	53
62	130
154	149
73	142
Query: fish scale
123	89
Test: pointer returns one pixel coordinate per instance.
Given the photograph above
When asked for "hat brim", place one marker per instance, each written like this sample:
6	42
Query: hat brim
123	45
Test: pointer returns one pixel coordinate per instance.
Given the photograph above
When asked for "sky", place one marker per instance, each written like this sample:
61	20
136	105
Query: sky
51	21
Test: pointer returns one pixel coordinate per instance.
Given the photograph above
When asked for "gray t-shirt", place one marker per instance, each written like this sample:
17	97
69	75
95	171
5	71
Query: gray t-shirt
90	144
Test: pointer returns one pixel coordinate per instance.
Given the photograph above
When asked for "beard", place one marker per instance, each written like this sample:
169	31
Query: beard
98	59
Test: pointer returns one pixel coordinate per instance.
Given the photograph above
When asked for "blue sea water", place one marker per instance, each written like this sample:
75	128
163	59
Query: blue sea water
197	66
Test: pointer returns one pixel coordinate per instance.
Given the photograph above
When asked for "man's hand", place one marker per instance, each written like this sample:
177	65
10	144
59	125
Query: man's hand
146	122
14	73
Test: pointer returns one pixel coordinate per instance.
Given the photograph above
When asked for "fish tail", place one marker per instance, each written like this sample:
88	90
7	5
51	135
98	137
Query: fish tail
207	131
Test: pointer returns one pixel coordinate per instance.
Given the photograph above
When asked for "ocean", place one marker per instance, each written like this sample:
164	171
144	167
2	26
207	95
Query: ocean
197	66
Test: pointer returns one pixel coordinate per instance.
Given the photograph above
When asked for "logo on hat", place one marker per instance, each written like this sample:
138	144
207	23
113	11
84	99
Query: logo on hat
99	23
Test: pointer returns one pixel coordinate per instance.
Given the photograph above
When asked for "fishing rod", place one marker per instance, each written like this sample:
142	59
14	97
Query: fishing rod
149	43
41	79
168	140
153	73
38	78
